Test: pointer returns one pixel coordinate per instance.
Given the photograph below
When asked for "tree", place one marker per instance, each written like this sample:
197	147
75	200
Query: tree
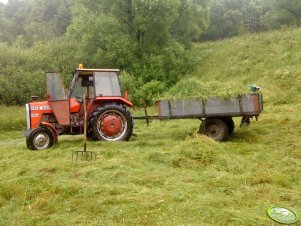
15	13
34	20
233	17
4	25
284	13
226	19
293	6
149	39
191	21
278	18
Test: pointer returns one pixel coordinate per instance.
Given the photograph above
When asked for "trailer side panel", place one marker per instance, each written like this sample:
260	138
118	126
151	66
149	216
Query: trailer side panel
243	105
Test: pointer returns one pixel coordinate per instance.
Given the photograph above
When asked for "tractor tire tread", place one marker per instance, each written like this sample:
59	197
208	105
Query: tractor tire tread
30	137
92	128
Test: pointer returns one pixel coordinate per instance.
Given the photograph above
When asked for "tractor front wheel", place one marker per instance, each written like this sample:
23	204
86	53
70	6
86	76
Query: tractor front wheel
214	128
39	139
111	122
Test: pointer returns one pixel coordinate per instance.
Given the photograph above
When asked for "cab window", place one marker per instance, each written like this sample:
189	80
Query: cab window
83	85
107	84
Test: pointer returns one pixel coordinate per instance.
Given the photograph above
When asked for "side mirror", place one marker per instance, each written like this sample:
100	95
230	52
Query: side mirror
87	83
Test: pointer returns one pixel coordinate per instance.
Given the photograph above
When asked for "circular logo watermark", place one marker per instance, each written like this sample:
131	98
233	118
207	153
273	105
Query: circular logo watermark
282	215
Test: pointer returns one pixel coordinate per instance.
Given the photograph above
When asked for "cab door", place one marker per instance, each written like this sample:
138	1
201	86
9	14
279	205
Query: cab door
58	99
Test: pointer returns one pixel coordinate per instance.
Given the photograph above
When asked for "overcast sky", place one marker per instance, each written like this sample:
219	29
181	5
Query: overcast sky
4	1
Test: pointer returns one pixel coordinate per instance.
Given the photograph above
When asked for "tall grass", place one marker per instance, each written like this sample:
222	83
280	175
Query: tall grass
12	118
270	60
228	67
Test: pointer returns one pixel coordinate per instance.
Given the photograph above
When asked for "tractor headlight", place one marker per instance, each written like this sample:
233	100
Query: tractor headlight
27	116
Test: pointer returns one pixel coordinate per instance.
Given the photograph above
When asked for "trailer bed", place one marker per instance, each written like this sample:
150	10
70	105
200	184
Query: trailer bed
215	113
242	105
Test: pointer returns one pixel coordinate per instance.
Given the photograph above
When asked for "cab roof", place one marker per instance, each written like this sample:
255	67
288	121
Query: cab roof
85	71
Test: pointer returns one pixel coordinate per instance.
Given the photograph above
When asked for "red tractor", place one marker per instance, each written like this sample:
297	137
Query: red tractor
63	112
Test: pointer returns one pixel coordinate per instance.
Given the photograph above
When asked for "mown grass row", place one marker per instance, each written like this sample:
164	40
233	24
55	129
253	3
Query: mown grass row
167	175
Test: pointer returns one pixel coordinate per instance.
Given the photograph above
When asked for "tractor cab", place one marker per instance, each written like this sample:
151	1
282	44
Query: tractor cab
90	82
95	83
63	110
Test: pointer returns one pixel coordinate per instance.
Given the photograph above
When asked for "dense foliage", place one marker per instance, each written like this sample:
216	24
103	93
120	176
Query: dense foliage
151	41
234	17
144	38
30	21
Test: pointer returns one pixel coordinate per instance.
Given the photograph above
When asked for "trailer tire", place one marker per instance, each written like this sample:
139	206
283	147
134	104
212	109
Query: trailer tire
39	139
214	128
230	123
111	122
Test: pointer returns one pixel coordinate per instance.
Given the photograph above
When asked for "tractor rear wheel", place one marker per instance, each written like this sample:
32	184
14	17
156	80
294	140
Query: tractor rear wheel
39	139
111	122
214	128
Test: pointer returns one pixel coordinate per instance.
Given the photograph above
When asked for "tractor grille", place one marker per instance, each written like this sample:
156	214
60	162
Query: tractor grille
27	116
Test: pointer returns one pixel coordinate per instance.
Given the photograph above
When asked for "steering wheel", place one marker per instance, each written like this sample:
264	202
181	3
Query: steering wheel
79	99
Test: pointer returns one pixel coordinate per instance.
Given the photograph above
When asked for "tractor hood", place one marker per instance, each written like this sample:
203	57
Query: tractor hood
35	111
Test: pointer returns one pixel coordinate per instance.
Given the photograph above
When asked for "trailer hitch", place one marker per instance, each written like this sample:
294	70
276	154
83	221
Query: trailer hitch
245	121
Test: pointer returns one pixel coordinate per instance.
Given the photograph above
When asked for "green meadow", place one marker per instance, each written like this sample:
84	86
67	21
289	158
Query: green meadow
168	174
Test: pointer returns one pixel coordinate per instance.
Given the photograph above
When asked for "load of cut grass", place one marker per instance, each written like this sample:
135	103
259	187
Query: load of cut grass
195	88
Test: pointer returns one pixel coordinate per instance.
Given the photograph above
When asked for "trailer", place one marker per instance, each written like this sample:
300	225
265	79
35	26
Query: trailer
215	113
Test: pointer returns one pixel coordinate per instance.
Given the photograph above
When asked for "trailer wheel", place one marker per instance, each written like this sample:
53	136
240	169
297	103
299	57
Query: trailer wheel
39	139
214	128
111	122
230	123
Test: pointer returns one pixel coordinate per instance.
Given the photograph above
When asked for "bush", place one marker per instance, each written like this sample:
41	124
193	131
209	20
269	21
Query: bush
150	92
139	93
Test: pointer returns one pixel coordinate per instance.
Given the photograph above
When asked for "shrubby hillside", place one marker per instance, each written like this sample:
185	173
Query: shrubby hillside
270	60
155	43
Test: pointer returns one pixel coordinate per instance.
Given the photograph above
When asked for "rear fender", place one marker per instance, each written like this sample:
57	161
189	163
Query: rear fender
119	100
51	128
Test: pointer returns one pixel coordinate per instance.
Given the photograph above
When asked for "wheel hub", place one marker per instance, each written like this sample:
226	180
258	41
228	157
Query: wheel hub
41	141
214	132
111	125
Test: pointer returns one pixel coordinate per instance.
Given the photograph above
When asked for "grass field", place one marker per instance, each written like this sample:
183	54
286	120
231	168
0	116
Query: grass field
169	174
12	118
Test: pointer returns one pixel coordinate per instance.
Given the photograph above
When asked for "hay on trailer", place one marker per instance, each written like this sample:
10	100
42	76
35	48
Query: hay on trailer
196	88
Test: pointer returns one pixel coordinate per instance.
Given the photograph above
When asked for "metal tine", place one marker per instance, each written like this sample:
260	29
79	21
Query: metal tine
85	155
